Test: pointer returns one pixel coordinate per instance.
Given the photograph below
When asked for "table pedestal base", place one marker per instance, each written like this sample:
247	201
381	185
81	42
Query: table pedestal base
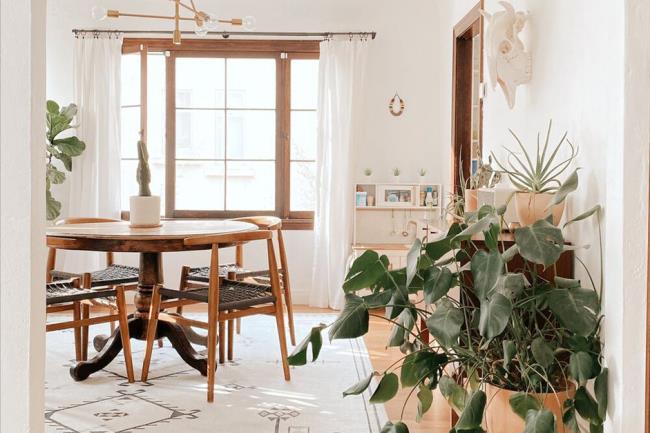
137	329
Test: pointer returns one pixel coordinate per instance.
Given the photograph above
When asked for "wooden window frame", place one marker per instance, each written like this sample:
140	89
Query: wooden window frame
283	51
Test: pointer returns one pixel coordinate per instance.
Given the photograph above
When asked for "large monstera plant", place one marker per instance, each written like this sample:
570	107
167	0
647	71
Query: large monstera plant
489	324
64	149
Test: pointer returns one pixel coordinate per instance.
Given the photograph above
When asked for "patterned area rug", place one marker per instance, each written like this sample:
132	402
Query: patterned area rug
251	394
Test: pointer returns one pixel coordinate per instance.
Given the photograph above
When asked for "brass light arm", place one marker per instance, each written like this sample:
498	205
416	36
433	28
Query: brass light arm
118	14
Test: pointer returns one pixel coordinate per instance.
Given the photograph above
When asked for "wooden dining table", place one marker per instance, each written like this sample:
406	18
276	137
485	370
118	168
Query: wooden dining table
150	243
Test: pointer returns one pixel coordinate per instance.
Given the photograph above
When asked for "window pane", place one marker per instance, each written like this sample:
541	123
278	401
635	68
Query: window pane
251	134
200	134
200	82
199	185
304	84
250	185
303	135
130	131
130	83
303	186
130	185
251	83
156	105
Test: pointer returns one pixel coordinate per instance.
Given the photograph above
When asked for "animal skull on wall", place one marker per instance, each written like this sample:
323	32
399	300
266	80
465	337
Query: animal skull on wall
508	61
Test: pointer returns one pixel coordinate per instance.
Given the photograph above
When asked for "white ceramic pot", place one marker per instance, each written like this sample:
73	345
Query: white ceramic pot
144	211
532	207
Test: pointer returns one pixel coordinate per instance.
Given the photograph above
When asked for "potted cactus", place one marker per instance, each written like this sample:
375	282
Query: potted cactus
145	208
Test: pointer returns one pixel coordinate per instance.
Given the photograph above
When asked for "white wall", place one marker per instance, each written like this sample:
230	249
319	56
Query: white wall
22	209
405	58
579	50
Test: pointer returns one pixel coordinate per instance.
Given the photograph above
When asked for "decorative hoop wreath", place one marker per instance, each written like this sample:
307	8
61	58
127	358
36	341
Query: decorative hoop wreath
391	105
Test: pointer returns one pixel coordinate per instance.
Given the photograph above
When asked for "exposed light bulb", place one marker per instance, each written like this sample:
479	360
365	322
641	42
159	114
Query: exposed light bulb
200	30
211	22
99	13
249	22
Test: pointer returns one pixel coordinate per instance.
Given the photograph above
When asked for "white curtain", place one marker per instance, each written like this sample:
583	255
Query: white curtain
340	94
95	178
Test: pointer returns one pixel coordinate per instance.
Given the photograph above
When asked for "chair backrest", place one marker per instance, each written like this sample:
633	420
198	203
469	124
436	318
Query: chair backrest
228	239
266	223
263	222
51	255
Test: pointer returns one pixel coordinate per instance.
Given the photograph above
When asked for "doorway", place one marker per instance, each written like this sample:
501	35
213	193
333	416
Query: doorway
467	103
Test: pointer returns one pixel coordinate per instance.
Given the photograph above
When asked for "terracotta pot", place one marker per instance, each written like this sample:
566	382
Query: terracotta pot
471	200
499	417
531	207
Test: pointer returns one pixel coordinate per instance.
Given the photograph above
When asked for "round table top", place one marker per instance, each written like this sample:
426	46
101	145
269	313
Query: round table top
119	236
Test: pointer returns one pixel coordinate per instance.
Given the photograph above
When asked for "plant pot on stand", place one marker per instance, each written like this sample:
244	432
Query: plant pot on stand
471	200
532	207
144	208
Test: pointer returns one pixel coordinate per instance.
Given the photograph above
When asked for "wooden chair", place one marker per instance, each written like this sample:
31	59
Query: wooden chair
227	300
112	275
67	295
193	277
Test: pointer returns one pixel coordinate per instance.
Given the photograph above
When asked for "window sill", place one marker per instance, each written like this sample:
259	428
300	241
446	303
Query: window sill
287	223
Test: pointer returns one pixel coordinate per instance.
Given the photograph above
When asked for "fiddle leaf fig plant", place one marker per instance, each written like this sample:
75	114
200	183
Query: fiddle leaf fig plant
58	120
468	317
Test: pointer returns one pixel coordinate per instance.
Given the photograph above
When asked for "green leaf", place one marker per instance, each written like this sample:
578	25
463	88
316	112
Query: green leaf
570	421
540	421
437	284
360	386
52	207
65	159
445	323
584	215
378	299
495	315
542	352
569	185
398	427
600	390
574	309
521	403
352	322
480	226
70	111
509	352
365	271
486	267
406	321
566	283
412	261
511	285
425	399
581	367
455	395
52	107
315	339
70	146
540	243
419	365
435	250
510	253
595	428
54	175
472	415
386	389
586	406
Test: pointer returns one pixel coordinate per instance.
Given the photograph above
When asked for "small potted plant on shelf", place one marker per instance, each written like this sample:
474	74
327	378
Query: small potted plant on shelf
396	173
539	190
367	172
510	345
482	178
144	207
59	120
423	174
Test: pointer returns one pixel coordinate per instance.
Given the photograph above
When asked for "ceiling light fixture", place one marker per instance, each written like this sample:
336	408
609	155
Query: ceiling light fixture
204	22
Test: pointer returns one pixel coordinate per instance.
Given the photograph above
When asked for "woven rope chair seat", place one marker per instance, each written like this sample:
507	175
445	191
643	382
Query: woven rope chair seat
110	276
233	295
63	292
202	274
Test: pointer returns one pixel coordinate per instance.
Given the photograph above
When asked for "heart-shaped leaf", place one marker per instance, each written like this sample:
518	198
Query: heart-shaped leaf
586	405
540	243
352	322
509	351
511	285
387	388
574	309
445	323
540	421
398	427
542	352
360	386
495	315
404	323
521	403
455	395
486	267
600	390
472	415
412	259
437	284
581	367
425	398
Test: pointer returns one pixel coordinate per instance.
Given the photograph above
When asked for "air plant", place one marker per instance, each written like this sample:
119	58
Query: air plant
367	172
422	172
397	171
541	174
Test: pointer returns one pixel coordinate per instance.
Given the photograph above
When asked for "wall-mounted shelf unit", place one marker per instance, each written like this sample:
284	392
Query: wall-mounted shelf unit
389	216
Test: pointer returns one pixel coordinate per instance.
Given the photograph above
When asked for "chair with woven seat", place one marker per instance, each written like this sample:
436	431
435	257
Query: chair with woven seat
227	300
112	275
193	277
67	295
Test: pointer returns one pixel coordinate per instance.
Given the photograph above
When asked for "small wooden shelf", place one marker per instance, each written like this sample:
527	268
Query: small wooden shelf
398	207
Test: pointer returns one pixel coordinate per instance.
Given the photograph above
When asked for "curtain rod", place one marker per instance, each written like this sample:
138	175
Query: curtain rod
225	35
